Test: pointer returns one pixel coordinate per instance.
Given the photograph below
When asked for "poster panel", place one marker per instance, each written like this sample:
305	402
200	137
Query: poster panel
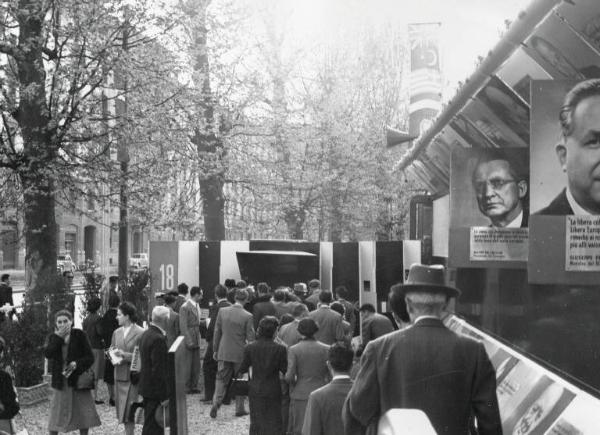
564	182
580	418
489	208
164	265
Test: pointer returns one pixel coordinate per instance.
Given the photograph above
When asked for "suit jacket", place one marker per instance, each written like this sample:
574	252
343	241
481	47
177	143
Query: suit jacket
313	300
267	360
78	350
559	206
307	368
330	325
324	409
172	327
153	357
428	367
261	308
126	344
281	308
212	314
350	314
189	324
289	334
374	327
233	330
91	326
179	302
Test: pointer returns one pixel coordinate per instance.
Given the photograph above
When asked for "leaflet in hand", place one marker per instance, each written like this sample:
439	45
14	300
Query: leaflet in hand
114	358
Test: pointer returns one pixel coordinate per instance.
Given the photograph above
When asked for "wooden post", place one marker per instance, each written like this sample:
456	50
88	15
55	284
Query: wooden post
175	377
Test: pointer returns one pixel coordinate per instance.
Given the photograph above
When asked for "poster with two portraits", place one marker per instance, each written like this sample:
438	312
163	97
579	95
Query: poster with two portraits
511	206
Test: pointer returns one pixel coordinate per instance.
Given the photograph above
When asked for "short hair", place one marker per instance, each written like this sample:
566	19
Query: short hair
63	313
267	327
579	92
169	298
279	295
425	302
195	290
367	307
299	310
220	291
159	315
113	279
325	297
338	307
285	319
340	357
182	288
263	288
230	283
314	284
341	291
241	284
129	310
5	277
398	303
113	300
93	305
517	168
241	294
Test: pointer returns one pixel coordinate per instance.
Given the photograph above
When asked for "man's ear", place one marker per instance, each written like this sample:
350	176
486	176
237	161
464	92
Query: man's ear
561	152
522	185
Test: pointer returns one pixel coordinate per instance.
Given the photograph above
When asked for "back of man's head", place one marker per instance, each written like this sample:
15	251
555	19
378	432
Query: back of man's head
367	308
314	284
338	308
299	311
325	297
425	304
340	357
396	299
194	291
341	292
5	277
229	283
182	288
263	288
160	316
279	295
220	291
241	284
267	327
241	295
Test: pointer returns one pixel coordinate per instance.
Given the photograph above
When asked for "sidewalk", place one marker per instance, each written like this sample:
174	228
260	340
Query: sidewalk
35	418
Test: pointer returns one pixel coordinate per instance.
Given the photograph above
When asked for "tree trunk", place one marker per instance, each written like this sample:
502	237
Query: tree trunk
39	152
294	219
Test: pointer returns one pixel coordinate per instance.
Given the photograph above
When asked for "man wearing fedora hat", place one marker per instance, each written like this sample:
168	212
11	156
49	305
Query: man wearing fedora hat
425	366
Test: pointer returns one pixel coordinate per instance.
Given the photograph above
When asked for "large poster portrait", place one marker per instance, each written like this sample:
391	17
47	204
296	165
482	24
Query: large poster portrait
489	206
565	182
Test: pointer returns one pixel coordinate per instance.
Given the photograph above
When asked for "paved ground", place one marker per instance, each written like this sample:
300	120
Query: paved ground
34	419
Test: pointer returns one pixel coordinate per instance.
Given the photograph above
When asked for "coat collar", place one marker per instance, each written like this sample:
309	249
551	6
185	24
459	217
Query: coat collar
430	321
133	332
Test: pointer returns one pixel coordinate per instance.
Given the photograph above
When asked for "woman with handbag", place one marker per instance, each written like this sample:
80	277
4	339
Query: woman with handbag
9	405
124	340
70	360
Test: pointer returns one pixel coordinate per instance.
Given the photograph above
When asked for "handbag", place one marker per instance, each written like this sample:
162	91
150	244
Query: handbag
86	380
239	387
161	415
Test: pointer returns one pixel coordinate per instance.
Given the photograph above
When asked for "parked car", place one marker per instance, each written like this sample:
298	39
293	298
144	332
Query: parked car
138	261
64	262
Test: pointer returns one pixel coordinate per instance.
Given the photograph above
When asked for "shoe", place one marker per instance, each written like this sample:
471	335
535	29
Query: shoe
241	414
111	402
213	411
98	402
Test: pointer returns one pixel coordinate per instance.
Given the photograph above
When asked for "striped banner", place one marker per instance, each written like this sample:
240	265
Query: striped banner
425	82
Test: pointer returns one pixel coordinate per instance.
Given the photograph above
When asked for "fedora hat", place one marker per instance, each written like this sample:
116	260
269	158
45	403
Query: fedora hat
430	279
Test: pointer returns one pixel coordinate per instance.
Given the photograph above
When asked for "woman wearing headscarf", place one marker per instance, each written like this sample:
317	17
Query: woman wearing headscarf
69	354
267	359
124	340
307	370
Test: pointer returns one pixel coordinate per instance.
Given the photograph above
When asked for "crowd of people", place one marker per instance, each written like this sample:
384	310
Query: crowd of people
297	353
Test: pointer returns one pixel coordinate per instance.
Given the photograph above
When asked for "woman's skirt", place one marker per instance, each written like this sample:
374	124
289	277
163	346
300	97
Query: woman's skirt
98	366
125	395
72	410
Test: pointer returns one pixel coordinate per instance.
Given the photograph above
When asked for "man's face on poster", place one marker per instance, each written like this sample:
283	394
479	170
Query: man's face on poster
499	193
579	154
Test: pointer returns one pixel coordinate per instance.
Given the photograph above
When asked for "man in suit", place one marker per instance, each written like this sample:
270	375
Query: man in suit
577	152
182	292
501	186
350	314
262	305
209	367
170	300
324	409
233	330
6	295
374	325
189	325
153	386
314	290
425	366
330	322
288	333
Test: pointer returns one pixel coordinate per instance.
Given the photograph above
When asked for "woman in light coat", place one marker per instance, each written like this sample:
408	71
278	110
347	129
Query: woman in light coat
124	340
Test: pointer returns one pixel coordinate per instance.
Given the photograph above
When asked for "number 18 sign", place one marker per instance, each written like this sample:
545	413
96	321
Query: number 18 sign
172	263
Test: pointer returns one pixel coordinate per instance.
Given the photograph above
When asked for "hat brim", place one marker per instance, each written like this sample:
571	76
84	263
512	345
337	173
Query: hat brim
431	288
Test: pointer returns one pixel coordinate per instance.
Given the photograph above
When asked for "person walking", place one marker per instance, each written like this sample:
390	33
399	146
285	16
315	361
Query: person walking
233	330
124	341
153	386
91	326
426	366
267	359
69	354
306	371
330	324
374	325
108	324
